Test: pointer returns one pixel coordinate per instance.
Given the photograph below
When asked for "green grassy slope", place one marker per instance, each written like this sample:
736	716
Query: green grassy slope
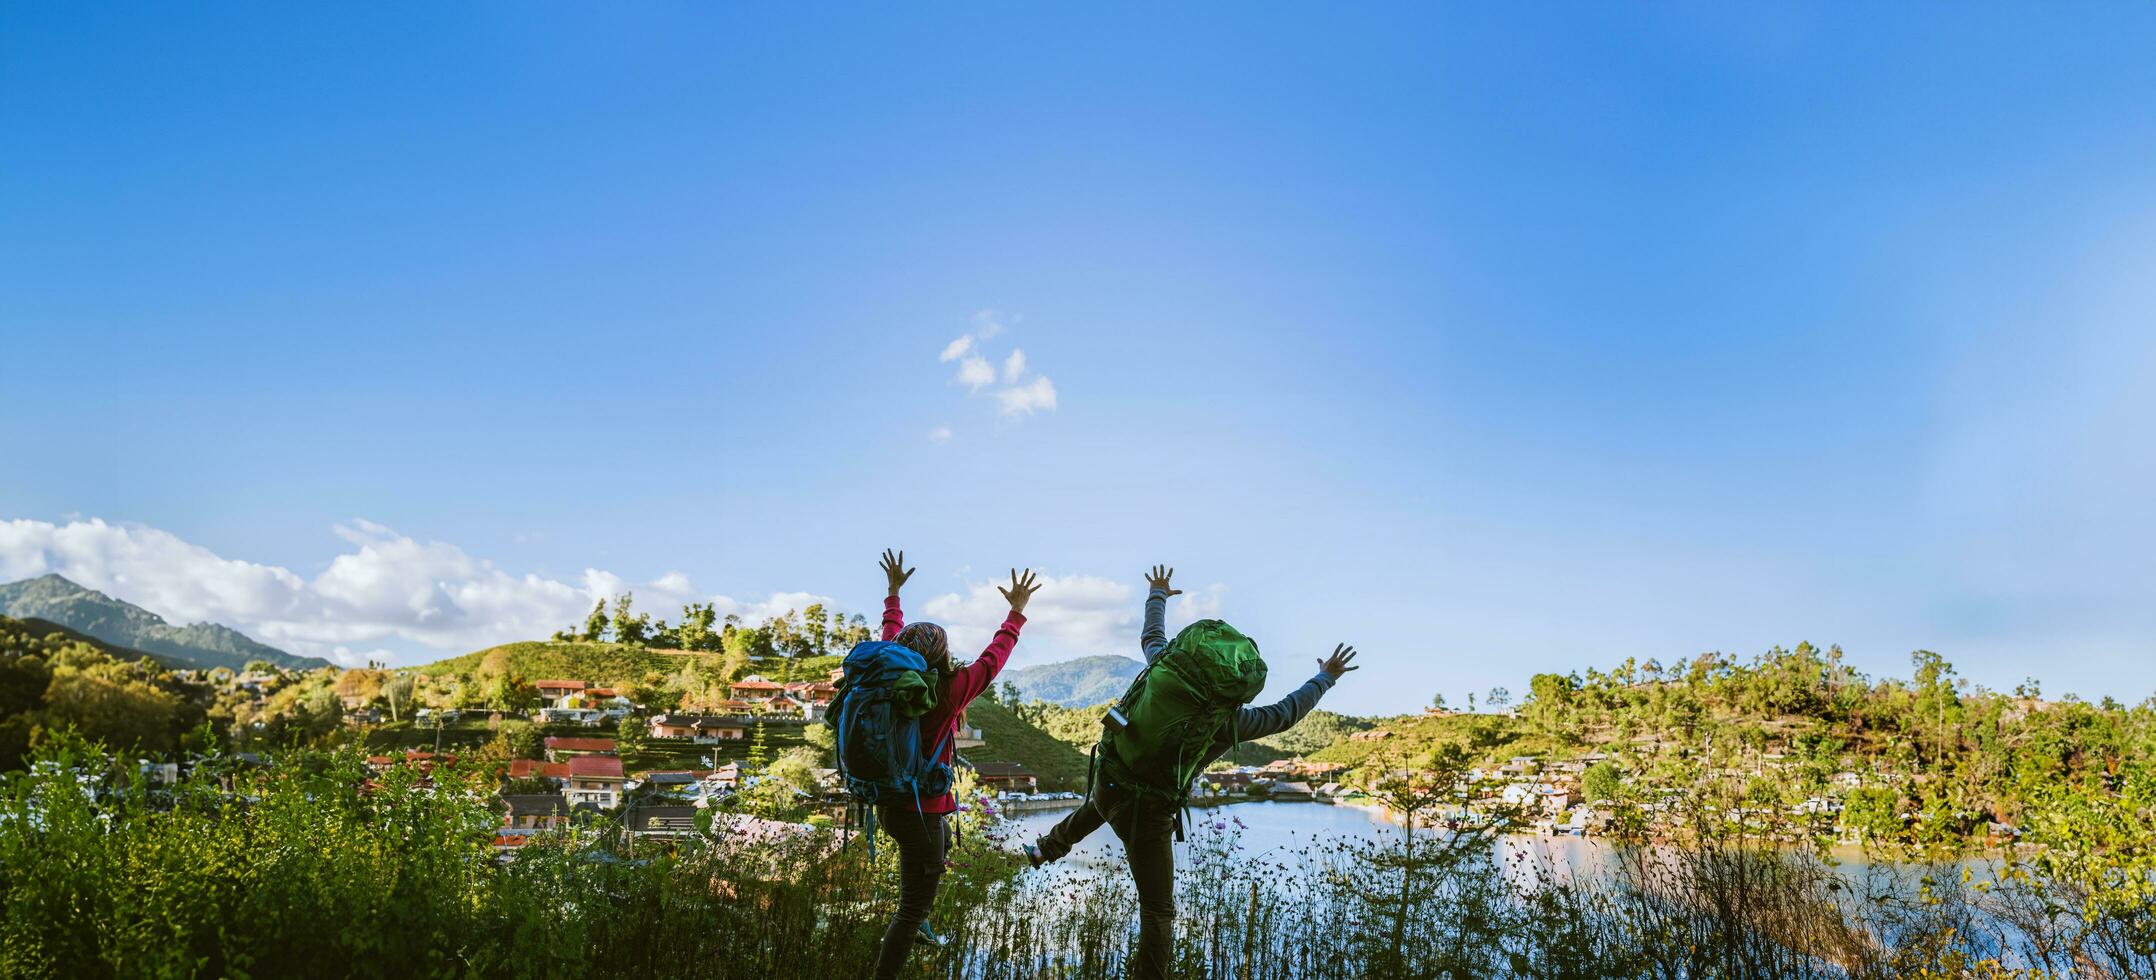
544	659
1060	766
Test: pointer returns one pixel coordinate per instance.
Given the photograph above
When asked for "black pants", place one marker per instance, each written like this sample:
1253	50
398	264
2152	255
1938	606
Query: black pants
921	839
1147	830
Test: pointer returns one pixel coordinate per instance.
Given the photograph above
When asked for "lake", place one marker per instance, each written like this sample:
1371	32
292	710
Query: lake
1282	831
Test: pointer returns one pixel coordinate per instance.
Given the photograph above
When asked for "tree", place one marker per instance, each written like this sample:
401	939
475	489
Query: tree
629	627
595	624
399	693
629	738
517	694
695	632
1601	781
1499	698
759	752
824	740
815	630
1438	701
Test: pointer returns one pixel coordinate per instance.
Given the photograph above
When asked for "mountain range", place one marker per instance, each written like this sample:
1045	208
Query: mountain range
1078	683
57	600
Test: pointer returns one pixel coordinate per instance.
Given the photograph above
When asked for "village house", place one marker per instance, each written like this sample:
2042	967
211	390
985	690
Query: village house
560	748
571	716
1231	781
685	784
781	705
1373	735
532	812
665	820
554	692
1008	777
1292	791
552	772
724	779
594	779
702	729
755	689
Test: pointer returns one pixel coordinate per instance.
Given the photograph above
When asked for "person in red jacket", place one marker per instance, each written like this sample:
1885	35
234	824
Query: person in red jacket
923	833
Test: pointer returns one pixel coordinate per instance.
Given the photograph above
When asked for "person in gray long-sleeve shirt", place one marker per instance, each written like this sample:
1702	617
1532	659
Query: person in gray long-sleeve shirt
1147	828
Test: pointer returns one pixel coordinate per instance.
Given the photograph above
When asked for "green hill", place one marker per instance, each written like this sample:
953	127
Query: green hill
540	659
93	613
1075	683
40	629
1060	766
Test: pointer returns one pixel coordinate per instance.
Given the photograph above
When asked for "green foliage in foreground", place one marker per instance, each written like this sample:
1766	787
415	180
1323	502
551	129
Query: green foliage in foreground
294	871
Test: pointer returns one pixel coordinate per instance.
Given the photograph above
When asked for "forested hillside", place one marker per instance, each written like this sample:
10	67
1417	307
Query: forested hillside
57	600
1075	683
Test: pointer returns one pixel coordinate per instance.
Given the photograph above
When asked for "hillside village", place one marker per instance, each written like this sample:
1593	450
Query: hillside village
732	717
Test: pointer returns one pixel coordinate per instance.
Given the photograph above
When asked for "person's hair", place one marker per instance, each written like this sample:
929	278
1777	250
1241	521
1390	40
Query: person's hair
928	640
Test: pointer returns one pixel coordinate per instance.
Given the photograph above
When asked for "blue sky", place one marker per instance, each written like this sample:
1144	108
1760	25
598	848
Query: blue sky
1490	340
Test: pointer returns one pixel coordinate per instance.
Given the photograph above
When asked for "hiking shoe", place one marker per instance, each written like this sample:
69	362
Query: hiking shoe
927	937
1034	856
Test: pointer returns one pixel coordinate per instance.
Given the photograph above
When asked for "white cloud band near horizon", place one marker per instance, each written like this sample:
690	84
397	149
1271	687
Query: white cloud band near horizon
389	589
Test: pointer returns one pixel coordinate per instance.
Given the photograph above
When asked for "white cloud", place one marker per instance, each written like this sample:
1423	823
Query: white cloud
975	372
1014	366
987	323
940	434
957	348
1028	398
389	589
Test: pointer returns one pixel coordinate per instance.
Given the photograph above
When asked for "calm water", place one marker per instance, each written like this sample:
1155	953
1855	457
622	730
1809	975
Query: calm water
1282	831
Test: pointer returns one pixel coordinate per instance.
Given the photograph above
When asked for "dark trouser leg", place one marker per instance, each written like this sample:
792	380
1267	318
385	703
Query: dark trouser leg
1147	829
920	838
1074	827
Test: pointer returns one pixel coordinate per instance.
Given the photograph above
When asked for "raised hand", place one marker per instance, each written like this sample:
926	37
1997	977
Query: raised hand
1158	579
1021	590
1336	665
895	572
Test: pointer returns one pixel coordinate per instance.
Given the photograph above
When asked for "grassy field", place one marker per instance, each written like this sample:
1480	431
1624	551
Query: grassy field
598	663
1011	740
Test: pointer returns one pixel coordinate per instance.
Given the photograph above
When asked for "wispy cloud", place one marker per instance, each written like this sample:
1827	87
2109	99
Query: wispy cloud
940	434
988	323
1016	397
1025	399
975	373
957	348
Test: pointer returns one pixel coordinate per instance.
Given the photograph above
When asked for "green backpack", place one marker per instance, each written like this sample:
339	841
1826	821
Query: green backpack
1176	708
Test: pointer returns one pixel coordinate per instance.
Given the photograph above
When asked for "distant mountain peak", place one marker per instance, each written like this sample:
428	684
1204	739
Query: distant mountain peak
55	598
1076	683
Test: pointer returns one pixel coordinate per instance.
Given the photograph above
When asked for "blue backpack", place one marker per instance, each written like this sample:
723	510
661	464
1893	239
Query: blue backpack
879	731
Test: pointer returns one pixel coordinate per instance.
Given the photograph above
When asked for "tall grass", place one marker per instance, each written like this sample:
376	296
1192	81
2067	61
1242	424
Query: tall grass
294	870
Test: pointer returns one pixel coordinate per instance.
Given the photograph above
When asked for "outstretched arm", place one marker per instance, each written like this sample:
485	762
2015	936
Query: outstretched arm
1154	640
973	678
1282	715
895	574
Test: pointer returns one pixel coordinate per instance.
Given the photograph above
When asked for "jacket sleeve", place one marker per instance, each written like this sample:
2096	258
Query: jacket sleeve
1154	640
1282	715
975	677
894	618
